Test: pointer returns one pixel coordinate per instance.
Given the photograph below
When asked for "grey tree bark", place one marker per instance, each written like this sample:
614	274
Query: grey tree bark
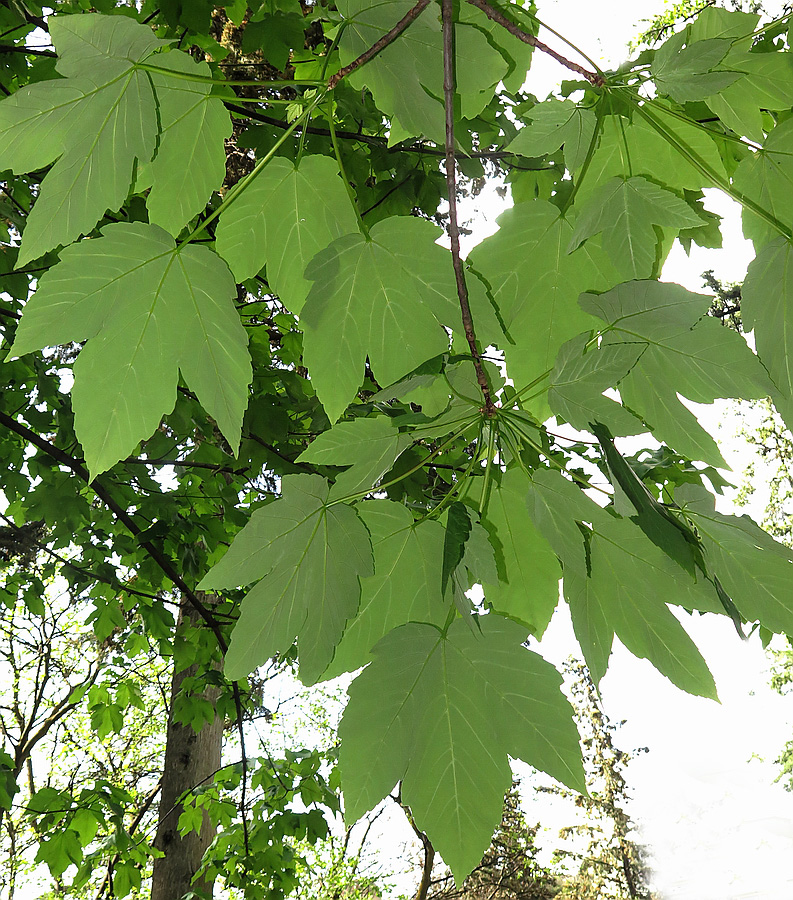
190	758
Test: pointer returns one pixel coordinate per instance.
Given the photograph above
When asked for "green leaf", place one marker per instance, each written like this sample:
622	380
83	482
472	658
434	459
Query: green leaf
767	83
630	148
628	587
441	714
309	557
284	217
382	298
685	352
406	78
767	309
767	177
625	212
528	585
685	72
579	379
554	123
93	126
753	568
369	446
191	156
667	531
149	309
535	284
458	528
406	586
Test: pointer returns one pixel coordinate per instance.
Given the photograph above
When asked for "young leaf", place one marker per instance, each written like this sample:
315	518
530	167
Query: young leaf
406	586
369	446
625	212
553	123
148	309
420	713
284	216
383	297
309	557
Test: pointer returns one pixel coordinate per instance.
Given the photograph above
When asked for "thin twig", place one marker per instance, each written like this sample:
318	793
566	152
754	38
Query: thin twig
528	38
243	796
380	44
451	190
371	139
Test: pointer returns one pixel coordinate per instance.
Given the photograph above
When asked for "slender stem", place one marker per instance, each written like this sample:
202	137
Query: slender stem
380	44
208	79
561	37
527	37
343	173
451	190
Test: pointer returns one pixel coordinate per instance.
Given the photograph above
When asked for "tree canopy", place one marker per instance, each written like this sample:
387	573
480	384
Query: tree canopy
248	371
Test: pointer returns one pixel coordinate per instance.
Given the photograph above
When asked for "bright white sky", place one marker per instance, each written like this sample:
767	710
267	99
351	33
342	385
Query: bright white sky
717	826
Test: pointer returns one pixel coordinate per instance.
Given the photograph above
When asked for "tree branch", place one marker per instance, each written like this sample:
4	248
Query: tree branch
451	190
528	38
104	494
380	44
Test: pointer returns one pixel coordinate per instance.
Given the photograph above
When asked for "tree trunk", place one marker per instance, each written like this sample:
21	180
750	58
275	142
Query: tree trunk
190	758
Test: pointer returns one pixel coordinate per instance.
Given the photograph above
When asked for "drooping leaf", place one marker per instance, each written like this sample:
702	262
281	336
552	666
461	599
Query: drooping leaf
528	579
149	309
369	446
553	123
191	156
767	177
93	126
284	216
669	532
309	557
624	211
406	586
441	713
383	298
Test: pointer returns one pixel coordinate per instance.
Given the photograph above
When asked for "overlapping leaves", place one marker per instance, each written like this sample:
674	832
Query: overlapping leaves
102	118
